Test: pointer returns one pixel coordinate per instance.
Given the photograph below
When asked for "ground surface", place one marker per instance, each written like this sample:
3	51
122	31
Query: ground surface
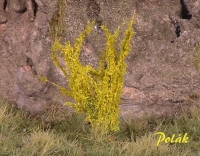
161	74
21	134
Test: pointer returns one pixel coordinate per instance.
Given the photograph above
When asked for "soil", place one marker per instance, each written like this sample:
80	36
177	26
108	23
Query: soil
161	77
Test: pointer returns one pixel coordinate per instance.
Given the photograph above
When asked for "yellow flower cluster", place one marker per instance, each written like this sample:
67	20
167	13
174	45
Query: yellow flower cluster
96	91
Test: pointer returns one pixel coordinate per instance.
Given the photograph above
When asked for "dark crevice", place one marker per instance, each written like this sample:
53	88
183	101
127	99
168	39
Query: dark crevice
30	63
5	5
185	13
176	26
35	8
178	31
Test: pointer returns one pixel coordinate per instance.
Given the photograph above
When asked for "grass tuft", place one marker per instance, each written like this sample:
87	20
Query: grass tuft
197	56
57	24
22	135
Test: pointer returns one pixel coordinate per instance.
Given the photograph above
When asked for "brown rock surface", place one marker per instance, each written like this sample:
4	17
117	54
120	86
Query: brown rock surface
161	76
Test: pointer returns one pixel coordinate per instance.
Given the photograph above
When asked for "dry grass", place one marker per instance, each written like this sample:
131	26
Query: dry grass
197	56
57	25
21	135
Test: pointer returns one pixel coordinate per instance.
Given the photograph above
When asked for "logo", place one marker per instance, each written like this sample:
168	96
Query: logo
180	138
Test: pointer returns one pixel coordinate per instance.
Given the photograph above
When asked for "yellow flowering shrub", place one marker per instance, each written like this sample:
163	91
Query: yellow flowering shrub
96	91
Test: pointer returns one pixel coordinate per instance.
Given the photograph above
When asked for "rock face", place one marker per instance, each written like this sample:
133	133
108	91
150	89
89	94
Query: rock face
24	51
161	76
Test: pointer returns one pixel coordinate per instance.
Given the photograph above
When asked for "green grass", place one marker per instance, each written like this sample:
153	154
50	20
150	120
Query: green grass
22	135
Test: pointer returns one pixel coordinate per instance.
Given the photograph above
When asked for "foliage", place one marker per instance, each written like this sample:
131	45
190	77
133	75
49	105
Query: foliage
57	24
96	91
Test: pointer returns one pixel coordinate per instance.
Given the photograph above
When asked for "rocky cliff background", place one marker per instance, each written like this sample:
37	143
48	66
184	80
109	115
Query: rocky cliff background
162	75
